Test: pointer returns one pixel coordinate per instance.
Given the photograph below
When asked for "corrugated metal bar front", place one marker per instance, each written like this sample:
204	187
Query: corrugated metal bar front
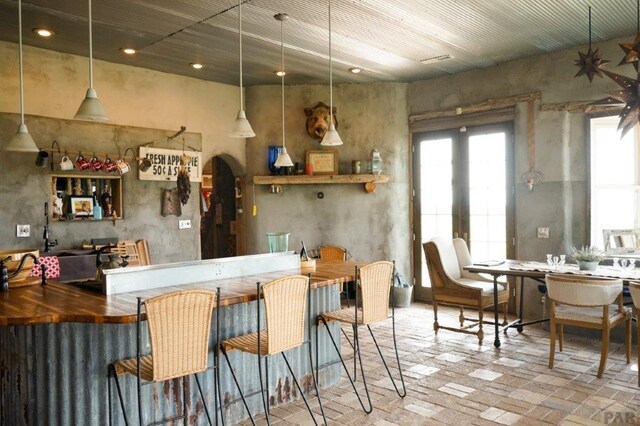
57	373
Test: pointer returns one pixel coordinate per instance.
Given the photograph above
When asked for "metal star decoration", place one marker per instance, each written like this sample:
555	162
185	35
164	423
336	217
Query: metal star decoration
631	52
590	63
628	96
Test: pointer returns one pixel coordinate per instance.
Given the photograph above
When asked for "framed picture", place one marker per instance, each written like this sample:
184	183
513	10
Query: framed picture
82	206
324	161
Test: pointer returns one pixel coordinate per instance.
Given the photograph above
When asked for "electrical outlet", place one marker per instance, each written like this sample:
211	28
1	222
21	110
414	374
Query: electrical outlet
184	224
543	232
23	231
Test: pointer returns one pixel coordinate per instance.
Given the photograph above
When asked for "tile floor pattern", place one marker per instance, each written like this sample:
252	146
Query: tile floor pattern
451	380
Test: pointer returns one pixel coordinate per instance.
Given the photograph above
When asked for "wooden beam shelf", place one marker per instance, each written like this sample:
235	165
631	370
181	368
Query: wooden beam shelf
370	181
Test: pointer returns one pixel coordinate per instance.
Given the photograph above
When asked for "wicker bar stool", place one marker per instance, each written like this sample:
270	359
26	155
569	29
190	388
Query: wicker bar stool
285	300
374	281
179	326
336	253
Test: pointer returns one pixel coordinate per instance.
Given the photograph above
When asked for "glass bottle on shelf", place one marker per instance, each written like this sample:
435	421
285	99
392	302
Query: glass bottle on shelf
376	162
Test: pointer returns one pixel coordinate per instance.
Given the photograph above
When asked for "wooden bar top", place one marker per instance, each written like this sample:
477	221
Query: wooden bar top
58	302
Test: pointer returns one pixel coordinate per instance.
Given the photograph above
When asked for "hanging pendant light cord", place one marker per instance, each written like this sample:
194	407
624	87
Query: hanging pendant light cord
20	62
589	27
282	69
240	32
90	48
638	16
330	72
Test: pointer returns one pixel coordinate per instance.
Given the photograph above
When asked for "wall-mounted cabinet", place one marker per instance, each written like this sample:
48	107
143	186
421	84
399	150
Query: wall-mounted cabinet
74	196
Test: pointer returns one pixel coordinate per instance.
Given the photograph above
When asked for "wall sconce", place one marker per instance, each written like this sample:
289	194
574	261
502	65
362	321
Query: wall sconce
531	178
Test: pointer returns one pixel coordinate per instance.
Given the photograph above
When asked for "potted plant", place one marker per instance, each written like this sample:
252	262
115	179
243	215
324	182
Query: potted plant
587	257
402	291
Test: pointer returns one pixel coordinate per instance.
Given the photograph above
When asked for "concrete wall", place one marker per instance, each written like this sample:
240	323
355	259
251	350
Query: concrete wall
371	226
24	188
560	202
55	83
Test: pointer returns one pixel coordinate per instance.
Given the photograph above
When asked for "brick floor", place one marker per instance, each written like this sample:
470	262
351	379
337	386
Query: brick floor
451	380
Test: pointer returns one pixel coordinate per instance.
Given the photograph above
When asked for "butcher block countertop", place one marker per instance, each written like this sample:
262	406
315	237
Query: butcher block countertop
58	302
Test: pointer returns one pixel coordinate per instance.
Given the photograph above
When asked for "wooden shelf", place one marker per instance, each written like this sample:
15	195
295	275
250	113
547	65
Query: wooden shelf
370	181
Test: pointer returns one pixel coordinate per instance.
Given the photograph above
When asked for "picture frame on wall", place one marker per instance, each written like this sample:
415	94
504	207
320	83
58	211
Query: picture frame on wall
324	161
81	206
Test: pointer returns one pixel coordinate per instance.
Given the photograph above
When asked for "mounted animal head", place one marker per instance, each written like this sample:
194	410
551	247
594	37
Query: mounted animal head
318	120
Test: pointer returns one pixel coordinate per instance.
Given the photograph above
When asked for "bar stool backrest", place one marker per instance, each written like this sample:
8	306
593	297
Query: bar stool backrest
583	291
285	302
179	325
333	253
375	284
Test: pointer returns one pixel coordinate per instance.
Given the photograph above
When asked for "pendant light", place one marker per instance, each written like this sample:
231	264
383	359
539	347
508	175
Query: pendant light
91	108
331	138
22	140
283	159
241	127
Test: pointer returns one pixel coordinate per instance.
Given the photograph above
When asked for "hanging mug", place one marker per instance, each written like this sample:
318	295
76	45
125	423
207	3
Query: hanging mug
109	166
42	160
144	165
96	164
82	163
66	163
123	166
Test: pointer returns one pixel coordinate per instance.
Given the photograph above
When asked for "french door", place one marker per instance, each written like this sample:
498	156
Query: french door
463	188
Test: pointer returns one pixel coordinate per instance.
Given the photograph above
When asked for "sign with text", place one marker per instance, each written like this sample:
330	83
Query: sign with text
165	164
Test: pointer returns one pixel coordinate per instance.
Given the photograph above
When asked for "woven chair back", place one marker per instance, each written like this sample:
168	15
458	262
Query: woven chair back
333	253
179	325
583	291
375	284
634	289
285	302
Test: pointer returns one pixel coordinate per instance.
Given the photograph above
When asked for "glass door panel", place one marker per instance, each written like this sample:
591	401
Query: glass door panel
436	194
487	189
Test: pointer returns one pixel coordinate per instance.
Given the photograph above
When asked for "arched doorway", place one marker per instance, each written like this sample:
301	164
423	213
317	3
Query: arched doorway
221	228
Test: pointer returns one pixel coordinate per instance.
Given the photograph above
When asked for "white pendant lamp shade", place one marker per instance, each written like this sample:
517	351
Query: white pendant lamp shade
22	140
241	127
331	138
283	159
91	109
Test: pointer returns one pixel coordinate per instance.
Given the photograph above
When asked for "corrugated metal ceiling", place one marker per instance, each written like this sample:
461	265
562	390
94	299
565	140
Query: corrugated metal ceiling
387	38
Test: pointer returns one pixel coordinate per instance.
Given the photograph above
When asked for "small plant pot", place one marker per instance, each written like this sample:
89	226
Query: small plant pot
587	266
402	296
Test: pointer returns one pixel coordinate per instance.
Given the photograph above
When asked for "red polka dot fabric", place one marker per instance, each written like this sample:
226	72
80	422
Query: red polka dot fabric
53	267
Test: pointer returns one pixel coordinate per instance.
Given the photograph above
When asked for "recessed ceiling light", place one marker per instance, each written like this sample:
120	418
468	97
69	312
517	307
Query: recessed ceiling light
196	65
355	70
434	59
280	73
128	50
43	32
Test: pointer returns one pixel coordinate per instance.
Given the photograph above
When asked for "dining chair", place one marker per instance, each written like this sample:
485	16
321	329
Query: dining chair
586	302
374	282
285	300
336	253
179	324
452	285
634	289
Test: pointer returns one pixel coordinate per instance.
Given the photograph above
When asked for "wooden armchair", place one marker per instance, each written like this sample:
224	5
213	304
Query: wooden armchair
452	285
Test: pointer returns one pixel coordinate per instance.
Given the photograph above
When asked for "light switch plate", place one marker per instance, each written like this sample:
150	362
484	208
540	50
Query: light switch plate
543	232
23	231
184	224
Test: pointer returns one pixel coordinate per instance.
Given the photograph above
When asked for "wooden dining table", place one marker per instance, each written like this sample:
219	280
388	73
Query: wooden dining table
537	271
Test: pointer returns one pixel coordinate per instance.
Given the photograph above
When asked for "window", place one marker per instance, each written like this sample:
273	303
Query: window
615	180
